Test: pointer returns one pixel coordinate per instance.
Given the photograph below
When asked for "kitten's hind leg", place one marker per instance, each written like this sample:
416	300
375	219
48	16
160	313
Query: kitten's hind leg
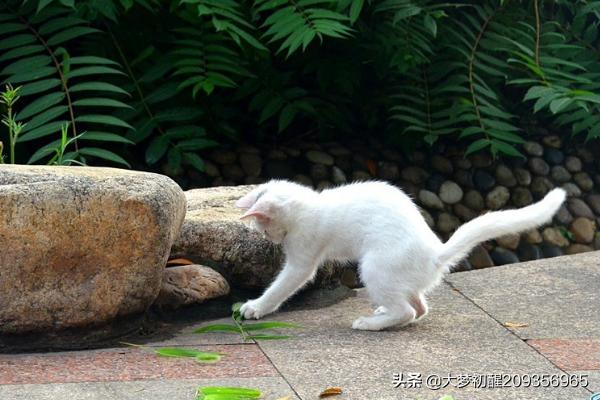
418	302
400	313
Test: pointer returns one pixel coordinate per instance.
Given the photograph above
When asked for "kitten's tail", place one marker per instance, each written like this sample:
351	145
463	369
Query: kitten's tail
496	224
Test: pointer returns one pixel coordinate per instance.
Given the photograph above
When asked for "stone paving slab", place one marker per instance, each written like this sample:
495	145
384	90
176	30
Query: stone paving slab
455	338
273	388
570	354
130	364
556	297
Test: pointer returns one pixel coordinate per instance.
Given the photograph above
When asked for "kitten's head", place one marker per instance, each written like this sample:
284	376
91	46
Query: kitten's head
271	206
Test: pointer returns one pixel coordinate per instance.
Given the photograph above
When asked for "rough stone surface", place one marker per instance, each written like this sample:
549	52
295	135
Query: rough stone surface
213	233
560	174
480	258
540	186
594	201
573	164
572	189
552	141
190	284
447	223
577	248
583	230
414	175
82	246
511	242
505	176
533	149
554	157
474	200
555	237
579	208
522	197
538	166
563	216
528	252
584	181
430	200
523	176
497	198
483	181
533	236
319	157
450	192
442	164
464	212
503	256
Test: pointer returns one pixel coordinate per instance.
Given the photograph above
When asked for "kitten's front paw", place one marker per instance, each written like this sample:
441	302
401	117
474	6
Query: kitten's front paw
252	310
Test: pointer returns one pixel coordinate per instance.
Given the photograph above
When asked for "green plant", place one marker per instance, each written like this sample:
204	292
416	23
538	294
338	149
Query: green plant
178	78
179	352
9	97
244	328
227	393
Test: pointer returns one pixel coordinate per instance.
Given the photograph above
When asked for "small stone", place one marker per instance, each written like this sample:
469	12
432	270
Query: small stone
233	172
577	248
250	180
505	176
563	216
597	241
529	252
550	251
464	213
480	258
388	171
594	201
560	174
417	157
572	189
427	217
430	200
338	151
338	175
319	157
523	176
303	180
190	284
360	176
533	236
586	155
319	172
292	151
555	237
224	157
483	180
554	157
474	200
584	181
540	186
450	192
579	208
211	169
447	223
463	163
434	182
442	164
414	175
464	178
552	141
539	166
481	159
464	265
573	164
502	256
245	148
251	164
533	149
409	188
497	198
521	197
278	155
583	230
391	155
510	242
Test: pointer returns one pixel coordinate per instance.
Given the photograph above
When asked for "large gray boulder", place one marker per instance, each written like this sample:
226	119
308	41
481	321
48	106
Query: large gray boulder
82	246
213	234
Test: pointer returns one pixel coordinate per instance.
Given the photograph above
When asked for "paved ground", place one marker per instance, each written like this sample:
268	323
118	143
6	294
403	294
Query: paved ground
463	345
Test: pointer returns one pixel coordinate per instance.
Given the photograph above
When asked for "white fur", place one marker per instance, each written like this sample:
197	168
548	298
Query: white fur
400	257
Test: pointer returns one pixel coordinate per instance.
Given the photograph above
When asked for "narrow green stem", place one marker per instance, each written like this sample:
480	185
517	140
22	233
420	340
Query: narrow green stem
11	134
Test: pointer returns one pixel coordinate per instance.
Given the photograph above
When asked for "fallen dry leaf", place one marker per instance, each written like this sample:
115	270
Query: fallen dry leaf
515	325
179	261
284	398
331	391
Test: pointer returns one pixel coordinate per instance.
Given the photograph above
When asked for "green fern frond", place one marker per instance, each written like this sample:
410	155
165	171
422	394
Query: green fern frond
60	88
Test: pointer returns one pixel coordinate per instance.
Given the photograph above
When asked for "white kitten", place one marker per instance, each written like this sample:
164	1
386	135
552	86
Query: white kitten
400	257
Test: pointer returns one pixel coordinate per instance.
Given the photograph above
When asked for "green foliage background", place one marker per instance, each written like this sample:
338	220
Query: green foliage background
150	82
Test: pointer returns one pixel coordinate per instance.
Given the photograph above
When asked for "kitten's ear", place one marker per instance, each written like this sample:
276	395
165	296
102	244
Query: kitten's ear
248	200
262	210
